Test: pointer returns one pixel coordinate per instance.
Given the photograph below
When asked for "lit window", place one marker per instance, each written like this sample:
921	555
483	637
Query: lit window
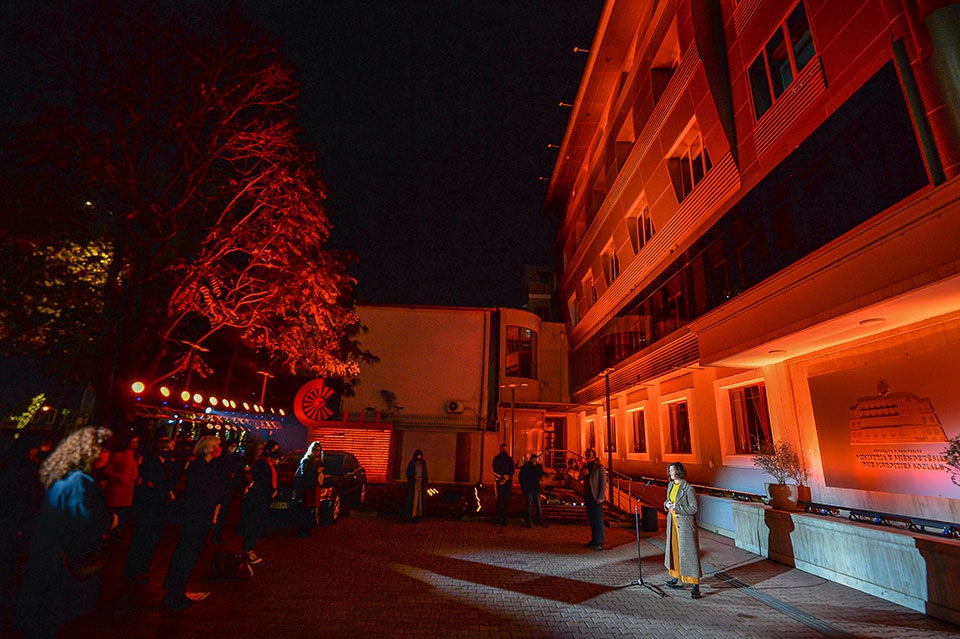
589	288
751	418
573	310
689	163
641	229
612	263
680	428
521	356
786	53
612	444
639	433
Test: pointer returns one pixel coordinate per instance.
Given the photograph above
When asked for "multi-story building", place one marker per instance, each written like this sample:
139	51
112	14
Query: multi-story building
760	213
454	382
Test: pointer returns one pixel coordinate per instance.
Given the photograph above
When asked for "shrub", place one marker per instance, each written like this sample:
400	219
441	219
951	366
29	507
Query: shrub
780	461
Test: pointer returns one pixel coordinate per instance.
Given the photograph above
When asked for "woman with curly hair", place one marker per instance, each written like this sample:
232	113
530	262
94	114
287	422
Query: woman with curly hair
62	576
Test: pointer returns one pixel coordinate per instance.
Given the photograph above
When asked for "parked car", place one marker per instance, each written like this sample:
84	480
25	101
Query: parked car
344	485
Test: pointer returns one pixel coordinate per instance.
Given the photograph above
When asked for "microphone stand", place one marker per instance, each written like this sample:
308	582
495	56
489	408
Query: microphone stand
640	581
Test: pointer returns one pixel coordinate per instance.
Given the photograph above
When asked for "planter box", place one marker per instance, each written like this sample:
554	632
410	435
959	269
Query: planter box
911	569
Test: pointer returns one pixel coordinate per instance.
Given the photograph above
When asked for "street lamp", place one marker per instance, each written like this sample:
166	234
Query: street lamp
263	389
513	411
606	375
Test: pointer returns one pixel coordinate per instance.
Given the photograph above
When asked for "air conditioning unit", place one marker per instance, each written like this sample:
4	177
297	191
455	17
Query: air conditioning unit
453	406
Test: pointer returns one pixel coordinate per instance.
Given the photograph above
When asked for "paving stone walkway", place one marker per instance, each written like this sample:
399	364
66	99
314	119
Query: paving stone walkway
376	576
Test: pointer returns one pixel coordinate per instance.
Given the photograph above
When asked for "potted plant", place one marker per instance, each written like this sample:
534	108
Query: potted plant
781	461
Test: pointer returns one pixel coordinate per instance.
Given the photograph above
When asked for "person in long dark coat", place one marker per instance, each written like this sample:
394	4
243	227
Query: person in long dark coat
416	486
231	465
62	576
594	479
152	499
255	509
530	476
682	550
199	509
503	475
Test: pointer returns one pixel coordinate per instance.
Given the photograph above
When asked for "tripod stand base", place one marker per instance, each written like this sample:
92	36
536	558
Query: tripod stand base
640	582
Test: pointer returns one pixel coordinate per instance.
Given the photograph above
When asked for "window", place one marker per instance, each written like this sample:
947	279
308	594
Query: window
573	310
612	444
639	444
689	163
589	288
640	228
665	62
786	53
612	264
751	419
521	360
679	428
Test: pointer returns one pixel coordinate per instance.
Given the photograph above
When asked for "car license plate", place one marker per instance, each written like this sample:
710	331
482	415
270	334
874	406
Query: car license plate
279	505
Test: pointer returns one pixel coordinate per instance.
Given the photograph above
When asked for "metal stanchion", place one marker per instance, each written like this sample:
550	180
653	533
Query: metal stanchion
640	581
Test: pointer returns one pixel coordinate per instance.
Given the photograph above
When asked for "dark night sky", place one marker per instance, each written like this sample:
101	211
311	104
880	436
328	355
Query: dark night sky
432	120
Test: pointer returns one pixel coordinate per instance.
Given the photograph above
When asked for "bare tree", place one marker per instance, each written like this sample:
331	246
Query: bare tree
172	140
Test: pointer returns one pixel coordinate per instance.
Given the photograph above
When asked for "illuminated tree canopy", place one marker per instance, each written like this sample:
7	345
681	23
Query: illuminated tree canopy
168	184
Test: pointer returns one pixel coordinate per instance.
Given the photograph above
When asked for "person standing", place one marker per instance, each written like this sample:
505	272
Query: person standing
308	480
682	549
199	509
416	486
255	509
594	480
230	463
152	499
62	576
503	475
120	473
530	475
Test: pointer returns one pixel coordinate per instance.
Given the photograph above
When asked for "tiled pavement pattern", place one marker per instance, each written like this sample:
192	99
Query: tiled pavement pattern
373	576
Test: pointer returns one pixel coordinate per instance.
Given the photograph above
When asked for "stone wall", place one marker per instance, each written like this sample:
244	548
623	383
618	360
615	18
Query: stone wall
910	569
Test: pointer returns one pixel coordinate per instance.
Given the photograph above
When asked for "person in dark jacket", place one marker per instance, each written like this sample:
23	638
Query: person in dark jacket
531	473
594	480
503	475
62	576
255	509
231	466
416	486
152	498
199	509
309	479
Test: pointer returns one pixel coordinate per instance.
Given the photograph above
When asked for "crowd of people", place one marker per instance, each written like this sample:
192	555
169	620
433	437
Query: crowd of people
66	502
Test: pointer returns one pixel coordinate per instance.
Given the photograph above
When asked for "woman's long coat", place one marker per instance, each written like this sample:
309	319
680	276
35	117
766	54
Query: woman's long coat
687	537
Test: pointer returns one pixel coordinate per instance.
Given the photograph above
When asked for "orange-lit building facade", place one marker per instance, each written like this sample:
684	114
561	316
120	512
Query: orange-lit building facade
454	382
760	213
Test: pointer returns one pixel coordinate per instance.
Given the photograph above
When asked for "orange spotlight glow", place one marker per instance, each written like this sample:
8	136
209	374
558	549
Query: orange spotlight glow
213	401
246	406
165	391
185	396
198	398
137	387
